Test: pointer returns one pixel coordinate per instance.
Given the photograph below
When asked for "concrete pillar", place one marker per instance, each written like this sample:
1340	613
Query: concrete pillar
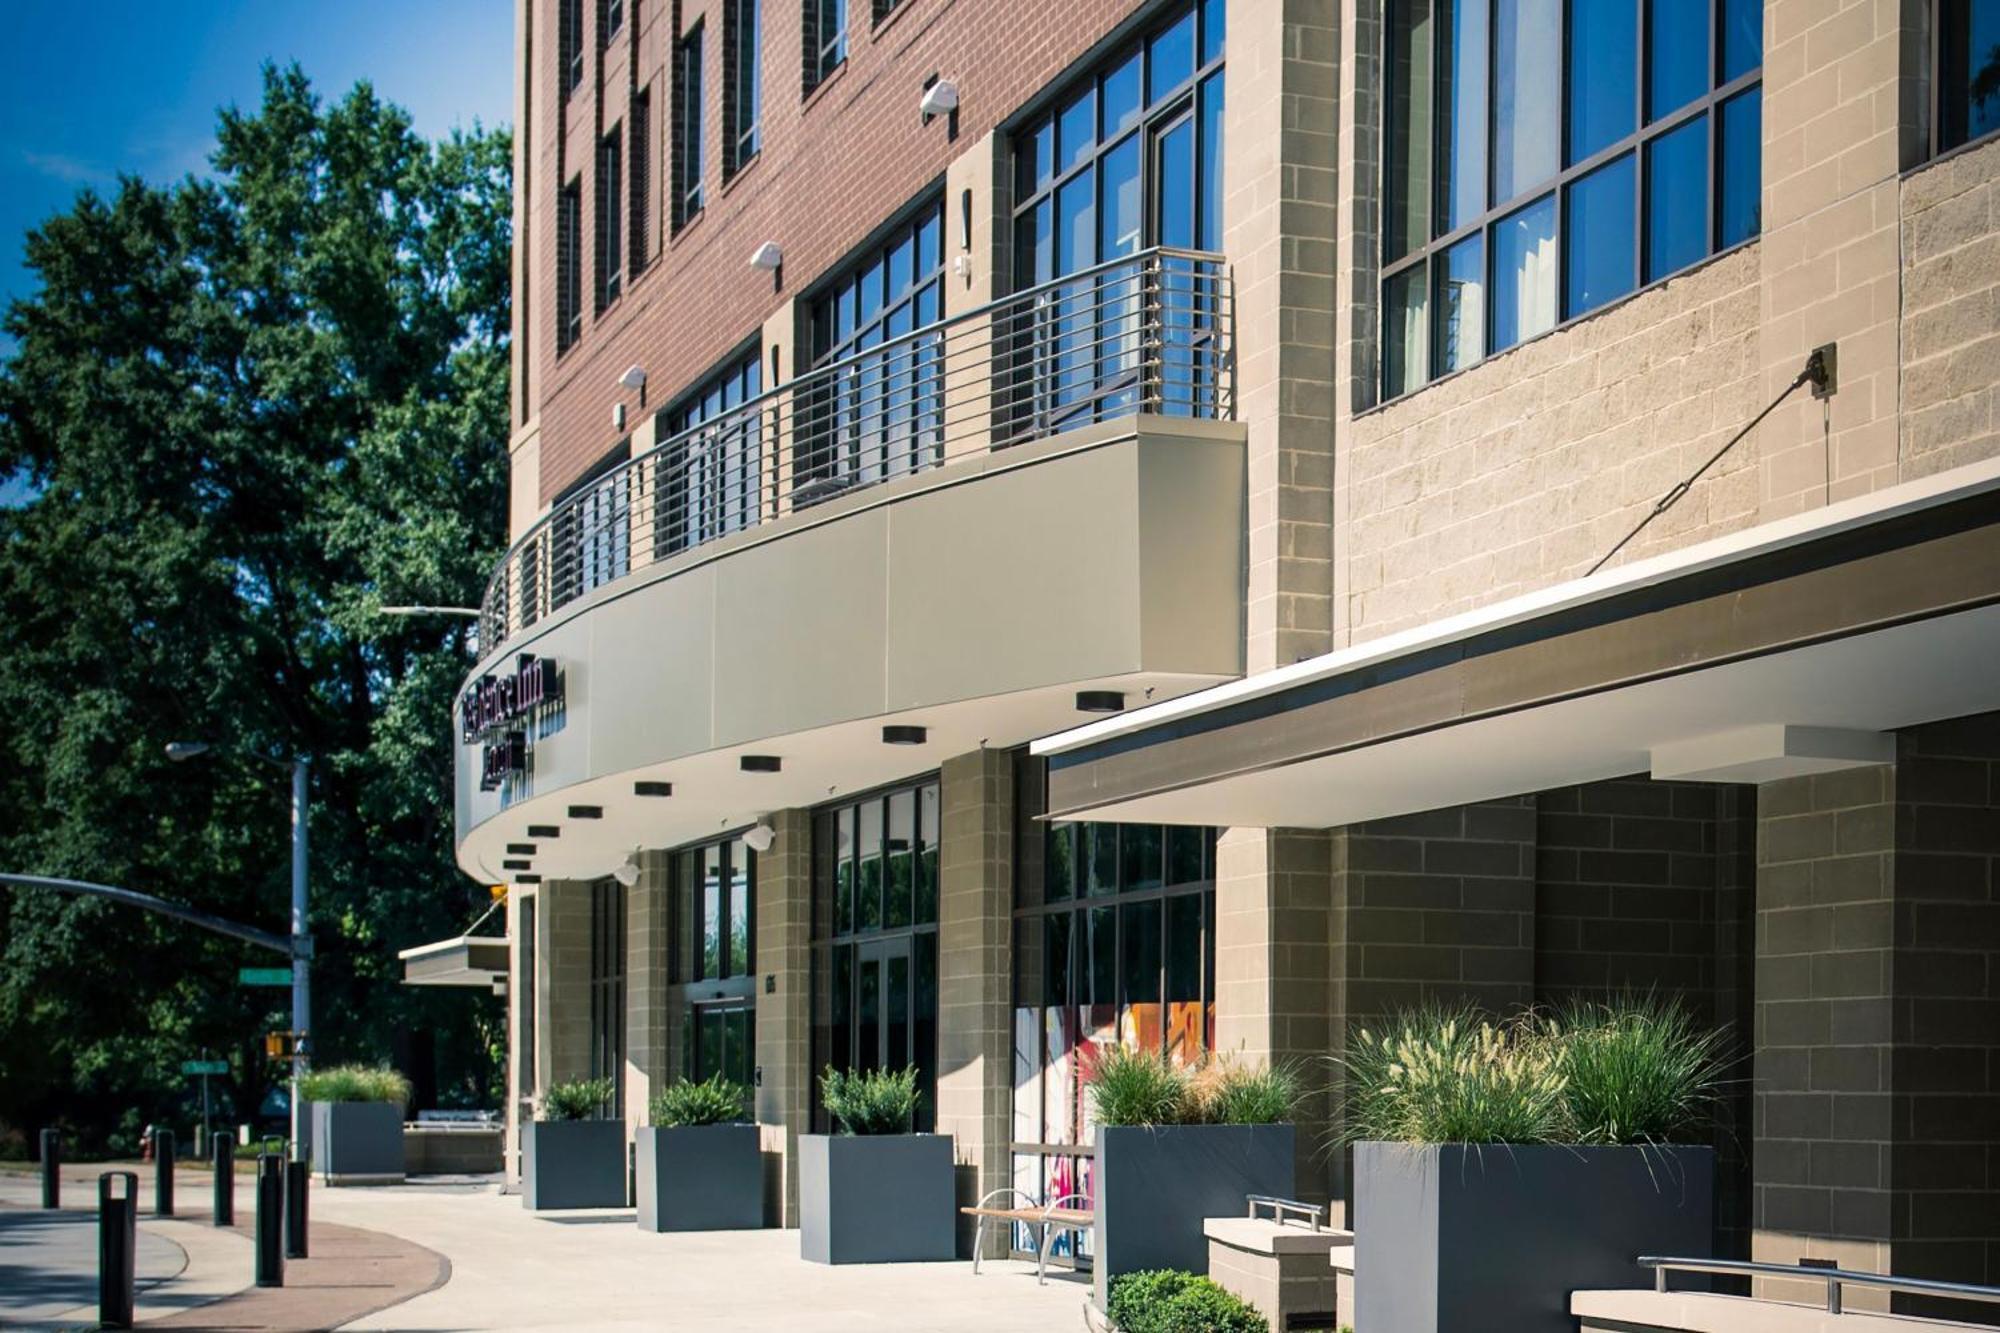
562	1000
975	932
520	1081
969	383
1878	1013
1279	224
782	977
647	1066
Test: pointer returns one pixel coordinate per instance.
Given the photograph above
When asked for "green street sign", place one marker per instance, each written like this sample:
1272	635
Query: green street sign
193	1067
264	976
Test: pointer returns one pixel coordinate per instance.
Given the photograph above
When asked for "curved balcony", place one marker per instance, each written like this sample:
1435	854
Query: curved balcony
1146	334
945	542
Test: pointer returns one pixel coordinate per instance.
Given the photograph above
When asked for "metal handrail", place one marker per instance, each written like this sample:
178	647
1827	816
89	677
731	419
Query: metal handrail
1311	1213
1835	1278
1147	333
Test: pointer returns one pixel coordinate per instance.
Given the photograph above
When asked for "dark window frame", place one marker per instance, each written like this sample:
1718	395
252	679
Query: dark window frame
1557	187
610	18
569	265
688	165
608	927
1937	142
742	84
824	54
691	506
524	1023
569	46
639	172
612	204
686	965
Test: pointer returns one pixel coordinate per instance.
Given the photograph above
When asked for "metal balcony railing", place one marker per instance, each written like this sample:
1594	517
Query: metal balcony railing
1149	333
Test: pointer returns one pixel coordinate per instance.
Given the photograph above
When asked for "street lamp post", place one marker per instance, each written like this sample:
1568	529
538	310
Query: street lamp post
301	940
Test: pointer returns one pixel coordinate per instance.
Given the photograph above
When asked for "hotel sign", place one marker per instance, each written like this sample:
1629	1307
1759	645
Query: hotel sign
497	709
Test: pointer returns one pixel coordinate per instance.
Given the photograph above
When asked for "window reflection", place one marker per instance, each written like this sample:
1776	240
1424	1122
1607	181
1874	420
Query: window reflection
1527	79
1676	177
1460	302
1600	222
1524	274
1968	47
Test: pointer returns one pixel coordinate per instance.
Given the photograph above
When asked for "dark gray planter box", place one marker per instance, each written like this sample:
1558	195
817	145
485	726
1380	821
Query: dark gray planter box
1458	1238
700	1178
1156	1183
876	1198
573	1164
357	1143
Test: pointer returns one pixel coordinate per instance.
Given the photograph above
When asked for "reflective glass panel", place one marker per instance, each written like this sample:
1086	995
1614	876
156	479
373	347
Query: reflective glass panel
1211	163
739	908
899	888
1459	303
1406	181
1461	80
927	860
1743	36
1139	852
711	912
1404	297
1676	53
1170	58
1122	215
1522	294
1140	934
1968	46
1076	130
1740	211
1677	199
1123	96
868	881
843	872
1600	221
1603	73
1527	95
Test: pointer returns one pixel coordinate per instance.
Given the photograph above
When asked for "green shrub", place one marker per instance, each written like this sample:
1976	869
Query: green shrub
1444	1076
874	1101
713	1101
578	1099
1234	1094
1636	1070
354	1083
1167	1301
1134	1087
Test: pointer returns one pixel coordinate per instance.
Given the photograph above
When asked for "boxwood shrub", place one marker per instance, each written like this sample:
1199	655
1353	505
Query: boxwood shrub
1166	1300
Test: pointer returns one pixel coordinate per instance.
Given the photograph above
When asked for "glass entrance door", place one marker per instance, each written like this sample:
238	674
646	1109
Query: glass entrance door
724	1041
882	1019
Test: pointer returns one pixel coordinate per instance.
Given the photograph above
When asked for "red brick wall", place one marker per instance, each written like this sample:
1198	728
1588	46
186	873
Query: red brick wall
833	167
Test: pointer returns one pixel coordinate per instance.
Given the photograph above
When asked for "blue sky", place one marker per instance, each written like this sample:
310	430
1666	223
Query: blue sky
91	90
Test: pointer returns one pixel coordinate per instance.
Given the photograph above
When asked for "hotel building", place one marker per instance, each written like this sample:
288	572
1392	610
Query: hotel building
1196	524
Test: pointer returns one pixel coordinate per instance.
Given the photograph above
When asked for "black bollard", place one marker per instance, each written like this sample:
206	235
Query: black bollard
163	1173
117	1248
222	1157
296	1176
270	1247
51	1168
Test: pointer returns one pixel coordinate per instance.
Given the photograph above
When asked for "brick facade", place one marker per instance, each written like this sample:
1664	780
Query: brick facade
834	166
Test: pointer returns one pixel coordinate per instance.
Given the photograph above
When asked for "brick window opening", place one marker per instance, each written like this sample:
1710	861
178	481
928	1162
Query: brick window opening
569	266
742	84
569	43
687	128
826	40
640	164
610	18
611	204
884	8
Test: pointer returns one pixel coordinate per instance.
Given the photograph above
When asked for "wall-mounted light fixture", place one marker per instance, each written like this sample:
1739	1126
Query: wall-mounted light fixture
769	256
760	837
633	378
940	99
627	872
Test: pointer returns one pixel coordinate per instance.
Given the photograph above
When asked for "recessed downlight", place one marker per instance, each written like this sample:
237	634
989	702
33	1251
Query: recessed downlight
544	830
586	812
515	865
905	735
520	849
1100	701
527	879
652	789
761	763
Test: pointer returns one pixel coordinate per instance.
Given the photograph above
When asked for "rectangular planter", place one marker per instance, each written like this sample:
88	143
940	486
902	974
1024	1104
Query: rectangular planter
357	1143
876	1199
1461	1238
700	1178
1156	1183
573	1164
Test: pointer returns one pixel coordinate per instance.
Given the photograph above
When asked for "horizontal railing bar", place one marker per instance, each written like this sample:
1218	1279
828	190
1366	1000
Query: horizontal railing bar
1844	1276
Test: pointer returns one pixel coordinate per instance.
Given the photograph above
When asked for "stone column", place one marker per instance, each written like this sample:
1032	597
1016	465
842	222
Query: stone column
970	384
647	1068
517	1078
784	1017
562	997
975	932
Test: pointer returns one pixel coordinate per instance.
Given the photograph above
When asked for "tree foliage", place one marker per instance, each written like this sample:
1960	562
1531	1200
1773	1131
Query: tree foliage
254	407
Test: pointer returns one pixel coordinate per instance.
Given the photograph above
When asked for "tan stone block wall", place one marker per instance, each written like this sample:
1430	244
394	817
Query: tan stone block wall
1951	313
647	1066
975	934
784	1035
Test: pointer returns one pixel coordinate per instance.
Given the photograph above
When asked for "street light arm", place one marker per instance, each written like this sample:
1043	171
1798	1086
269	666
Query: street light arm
132	898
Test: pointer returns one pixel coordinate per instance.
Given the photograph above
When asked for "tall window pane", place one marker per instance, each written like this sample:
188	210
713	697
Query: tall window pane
1170	58
1603	74
1968	45
1677	54
1403	305
745	85
1123	97
1460	303
1462	116
1523	292
1076	130
1600	236
739	908
899	891
1677	199
1740	211
843	872
1406	210
1209	191
1743	36
1527	84
711	912
868	880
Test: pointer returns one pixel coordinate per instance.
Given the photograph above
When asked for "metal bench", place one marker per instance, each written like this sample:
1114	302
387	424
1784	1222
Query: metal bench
1051	1217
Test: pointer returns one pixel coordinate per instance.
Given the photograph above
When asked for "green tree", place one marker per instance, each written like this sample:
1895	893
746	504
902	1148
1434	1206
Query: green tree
254	407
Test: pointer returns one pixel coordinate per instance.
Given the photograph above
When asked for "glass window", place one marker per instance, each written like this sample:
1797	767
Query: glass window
1170	58
1603	60
1462	113
610	215
1591	133
687	128
742	108
707	478
1740	212
1676	180
1524	274
1527	106
1602	244
1968	73
826	39
1076	130
1460	302
1120	104
1676	54
711	912
607	986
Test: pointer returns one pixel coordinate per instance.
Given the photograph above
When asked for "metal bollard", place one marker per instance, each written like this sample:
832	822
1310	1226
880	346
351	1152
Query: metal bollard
222	1158
51	1168
163	1173
117	1248
269	1248
297	1174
